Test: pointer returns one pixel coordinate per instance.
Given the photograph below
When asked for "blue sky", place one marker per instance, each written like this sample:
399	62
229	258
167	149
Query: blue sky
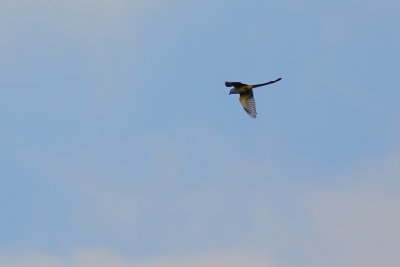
120	145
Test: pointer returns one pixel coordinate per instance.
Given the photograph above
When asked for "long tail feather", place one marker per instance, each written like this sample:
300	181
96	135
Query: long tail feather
263	84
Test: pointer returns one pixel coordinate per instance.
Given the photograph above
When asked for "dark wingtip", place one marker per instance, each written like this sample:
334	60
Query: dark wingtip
252	115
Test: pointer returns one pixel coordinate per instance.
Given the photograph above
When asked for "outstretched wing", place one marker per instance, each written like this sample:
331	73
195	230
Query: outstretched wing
249	104
234	84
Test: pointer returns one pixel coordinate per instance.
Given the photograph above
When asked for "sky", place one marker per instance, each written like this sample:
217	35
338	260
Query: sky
120	146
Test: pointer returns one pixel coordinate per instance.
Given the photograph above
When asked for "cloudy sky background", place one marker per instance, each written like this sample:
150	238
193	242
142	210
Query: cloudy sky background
121	147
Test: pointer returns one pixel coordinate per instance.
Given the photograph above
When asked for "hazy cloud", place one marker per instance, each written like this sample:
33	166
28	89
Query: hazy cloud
357	227
103	258
356	218
102	156
357	224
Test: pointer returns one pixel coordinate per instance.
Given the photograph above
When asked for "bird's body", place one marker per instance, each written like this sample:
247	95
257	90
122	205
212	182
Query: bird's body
246	94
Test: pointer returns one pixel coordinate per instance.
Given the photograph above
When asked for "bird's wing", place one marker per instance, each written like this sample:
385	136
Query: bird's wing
234	84
248	103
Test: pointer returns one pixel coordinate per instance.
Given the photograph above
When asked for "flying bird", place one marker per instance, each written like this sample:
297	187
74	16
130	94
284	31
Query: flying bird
246	94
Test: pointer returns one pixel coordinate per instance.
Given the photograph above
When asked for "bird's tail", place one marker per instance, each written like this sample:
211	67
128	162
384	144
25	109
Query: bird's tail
263	84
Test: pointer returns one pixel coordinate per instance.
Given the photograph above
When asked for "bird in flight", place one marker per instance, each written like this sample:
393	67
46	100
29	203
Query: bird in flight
246	94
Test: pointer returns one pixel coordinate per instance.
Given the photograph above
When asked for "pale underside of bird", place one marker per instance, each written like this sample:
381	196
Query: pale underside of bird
246	94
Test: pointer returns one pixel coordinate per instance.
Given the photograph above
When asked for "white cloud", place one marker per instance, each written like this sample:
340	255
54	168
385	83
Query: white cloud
102	8
172	190
357	224
81	23
103	258
138	189
357	228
